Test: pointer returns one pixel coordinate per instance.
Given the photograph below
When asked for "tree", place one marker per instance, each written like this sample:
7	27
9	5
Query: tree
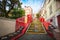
3	6
17	13
8	3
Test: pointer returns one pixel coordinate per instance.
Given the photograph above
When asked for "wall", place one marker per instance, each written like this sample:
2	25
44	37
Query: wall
56	12
58	4
6	26
55	8
51	4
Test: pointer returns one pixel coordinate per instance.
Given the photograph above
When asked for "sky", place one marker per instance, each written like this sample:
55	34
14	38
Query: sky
34	4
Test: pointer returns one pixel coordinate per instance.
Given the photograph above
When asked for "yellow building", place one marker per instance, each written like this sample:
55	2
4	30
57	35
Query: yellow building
28	10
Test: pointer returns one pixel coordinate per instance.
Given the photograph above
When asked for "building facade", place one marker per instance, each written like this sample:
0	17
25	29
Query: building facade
51	12
28	12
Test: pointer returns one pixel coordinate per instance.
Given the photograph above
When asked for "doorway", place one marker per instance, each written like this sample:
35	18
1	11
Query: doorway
58	20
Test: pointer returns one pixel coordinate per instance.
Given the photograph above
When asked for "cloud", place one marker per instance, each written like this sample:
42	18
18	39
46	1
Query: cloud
34	4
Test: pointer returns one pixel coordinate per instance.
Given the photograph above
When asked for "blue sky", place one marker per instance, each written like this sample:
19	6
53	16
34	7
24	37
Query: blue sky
34	4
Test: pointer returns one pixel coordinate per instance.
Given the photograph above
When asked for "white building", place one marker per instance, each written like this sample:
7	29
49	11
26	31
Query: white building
51	12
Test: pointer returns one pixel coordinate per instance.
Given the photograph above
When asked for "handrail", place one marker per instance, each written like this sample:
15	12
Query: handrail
9	36
52	26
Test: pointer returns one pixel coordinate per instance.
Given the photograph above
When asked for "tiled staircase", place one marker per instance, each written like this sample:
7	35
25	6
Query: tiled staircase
36	28
35	32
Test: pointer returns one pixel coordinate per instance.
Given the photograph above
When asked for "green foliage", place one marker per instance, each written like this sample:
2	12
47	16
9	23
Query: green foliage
10	4
2	14
17	13
37	15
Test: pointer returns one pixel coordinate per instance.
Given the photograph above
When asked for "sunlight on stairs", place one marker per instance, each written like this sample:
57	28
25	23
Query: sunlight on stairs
36	28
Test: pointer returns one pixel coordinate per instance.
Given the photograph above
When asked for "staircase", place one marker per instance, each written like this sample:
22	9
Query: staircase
36	28
35	32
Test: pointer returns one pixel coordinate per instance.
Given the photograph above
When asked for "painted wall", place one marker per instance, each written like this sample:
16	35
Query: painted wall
6	26
58	4
28	10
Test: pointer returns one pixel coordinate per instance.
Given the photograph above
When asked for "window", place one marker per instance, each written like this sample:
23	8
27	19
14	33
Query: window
50	9
49	1
57	0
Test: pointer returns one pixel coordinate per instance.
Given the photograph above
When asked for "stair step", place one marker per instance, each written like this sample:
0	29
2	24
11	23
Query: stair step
36	28
36	31
30	30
